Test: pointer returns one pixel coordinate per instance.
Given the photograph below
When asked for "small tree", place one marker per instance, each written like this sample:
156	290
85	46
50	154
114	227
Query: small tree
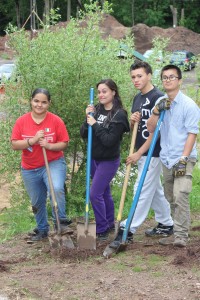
67	62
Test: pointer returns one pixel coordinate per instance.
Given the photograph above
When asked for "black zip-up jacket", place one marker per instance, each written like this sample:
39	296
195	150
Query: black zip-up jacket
106	138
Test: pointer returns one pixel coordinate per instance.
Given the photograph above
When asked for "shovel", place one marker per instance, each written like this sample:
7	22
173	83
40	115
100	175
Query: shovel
123	244
56	240
86	233
108	251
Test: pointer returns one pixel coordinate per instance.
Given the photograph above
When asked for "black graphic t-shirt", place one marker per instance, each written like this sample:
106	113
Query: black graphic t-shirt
106	136
144	104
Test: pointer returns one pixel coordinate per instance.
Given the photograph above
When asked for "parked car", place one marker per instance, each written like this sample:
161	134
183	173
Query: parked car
184	58
7	72
152	53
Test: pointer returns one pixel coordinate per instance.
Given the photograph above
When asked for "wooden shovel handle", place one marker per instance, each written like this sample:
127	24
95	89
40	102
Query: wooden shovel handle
127	173
55	205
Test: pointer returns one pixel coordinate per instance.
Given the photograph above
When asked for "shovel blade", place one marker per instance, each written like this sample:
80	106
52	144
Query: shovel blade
86	239
109	251
57	241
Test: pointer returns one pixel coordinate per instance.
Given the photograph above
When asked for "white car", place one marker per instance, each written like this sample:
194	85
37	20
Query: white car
7	71
154	54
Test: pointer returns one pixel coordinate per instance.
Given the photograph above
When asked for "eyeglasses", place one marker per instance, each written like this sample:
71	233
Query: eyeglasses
170	78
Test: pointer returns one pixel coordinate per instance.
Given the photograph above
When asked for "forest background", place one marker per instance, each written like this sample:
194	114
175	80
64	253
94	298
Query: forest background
128	12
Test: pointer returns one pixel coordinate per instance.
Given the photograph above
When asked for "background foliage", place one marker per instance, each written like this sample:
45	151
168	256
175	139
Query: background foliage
127	12
67	62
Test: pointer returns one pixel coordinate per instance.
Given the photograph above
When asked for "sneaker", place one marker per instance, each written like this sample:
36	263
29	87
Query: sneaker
112	229
103	236
160	230
39	236
33	232
117	241
179	242
166	241
64	227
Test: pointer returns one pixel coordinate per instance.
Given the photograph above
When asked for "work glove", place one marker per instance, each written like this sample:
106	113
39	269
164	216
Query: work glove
179	169
163	104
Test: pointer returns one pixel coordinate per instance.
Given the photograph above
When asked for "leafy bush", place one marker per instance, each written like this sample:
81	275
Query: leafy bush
67	62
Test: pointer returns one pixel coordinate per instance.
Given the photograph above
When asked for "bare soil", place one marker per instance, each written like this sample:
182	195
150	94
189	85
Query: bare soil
144	271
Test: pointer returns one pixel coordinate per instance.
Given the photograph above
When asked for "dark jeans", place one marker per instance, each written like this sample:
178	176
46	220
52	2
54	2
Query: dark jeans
102	173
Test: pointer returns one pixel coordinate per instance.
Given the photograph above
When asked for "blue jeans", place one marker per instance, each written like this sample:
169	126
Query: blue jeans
37	186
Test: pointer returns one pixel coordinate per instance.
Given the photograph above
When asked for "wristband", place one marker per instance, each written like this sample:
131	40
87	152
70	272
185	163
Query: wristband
156	114
28	143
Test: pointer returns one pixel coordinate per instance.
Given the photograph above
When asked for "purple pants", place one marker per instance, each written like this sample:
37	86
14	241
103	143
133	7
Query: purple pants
102	173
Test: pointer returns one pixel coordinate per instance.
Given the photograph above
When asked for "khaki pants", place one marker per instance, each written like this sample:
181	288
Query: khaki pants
177	190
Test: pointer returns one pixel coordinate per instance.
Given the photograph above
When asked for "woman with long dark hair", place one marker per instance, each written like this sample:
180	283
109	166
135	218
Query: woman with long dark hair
109	122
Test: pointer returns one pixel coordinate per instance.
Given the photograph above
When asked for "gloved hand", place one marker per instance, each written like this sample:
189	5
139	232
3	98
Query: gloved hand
179	169
163	104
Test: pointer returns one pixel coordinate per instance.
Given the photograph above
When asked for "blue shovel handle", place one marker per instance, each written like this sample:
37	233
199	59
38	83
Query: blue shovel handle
88	168
142	178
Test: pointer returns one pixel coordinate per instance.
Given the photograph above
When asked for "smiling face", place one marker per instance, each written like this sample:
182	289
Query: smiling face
105	96
141	80
171	82
40	104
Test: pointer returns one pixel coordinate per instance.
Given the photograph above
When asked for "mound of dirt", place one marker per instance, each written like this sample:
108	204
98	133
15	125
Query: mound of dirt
180	37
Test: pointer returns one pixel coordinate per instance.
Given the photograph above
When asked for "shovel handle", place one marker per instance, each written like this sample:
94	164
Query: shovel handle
127	174
55	205
142	178
88	168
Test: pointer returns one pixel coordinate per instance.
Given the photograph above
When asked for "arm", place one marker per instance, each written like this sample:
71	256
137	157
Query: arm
152	122
189	144
163	103
133	158
38	138
25	144
109	136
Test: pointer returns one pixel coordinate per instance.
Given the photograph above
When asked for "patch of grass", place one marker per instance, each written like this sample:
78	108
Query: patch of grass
195	194
148	263
14	221
157	274
5	56
154	260
196	271
119	266
138	269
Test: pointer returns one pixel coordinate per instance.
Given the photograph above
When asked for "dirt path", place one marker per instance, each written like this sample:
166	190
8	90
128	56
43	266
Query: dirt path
145	271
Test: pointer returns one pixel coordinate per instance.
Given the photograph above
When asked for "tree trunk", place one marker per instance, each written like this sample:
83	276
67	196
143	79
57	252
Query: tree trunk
46	11
68	9
133	10
174	13
17	7
182	16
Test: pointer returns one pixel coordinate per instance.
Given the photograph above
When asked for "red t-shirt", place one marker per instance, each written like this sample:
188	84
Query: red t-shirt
55	131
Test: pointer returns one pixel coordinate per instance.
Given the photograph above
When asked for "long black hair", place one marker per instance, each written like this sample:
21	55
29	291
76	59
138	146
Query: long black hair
117	102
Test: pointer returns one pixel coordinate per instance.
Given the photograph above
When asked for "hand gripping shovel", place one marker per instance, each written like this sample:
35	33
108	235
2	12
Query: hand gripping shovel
86	233
108	251
58	239
123	244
